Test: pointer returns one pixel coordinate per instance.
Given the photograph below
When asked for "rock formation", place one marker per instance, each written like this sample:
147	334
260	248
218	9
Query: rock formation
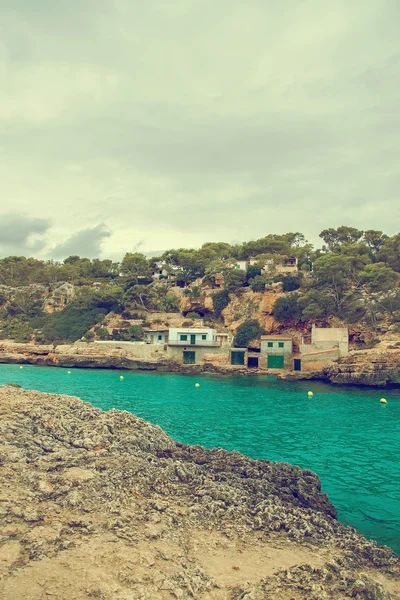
104	505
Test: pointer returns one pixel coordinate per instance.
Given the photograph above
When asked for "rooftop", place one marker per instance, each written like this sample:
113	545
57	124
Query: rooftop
277	337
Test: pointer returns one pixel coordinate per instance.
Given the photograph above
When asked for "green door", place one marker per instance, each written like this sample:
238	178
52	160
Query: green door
189	357
237	358
275	362
193	339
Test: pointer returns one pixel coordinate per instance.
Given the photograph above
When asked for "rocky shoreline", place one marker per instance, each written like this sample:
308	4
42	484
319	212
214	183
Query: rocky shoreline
104	505
378	367
374	368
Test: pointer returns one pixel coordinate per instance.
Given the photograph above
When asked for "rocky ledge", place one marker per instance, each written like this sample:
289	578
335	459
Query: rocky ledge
379	368
104	505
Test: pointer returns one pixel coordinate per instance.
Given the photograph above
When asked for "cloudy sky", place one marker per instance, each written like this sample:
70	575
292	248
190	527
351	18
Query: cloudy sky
131	124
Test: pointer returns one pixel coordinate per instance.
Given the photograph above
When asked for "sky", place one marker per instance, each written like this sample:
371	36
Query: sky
131	125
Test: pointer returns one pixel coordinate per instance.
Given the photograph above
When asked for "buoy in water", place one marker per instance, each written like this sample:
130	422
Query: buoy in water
69	372
21	367
196	385
383	401
310	394
121	377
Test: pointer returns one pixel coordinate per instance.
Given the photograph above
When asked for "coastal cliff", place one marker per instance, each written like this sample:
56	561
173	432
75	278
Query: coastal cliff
104	505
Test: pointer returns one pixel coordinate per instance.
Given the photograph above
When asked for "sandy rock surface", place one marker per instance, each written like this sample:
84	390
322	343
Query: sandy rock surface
104	505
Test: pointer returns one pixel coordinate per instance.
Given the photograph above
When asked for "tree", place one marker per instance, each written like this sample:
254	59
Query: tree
246	332
341	235
135	266
291	283
258	283
220	301
286	308
233	279
390	252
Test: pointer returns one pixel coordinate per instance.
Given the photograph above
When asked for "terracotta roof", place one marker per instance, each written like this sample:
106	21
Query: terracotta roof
276	337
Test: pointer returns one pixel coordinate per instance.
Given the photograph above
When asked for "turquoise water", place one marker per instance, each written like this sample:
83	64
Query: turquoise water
343	434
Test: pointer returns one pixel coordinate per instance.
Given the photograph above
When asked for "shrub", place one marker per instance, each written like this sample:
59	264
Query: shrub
258	283
290	283
102	333
246	332
220	301
187	323
134	333
71	323
89	336
253	271
17	330
193	315
170	303
126	314
287	308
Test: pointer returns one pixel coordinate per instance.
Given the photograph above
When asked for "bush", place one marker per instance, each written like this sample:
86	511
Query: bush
187	323
18	330
220	301
126	314
39	321
170	303
193	315
89	336
71	323
287	308
253	271
134	333
246	332
102	333
258	283
290	283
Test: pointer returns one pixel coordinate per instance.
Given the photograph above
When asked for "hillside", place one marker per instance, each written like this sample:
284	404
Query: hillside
105	505
280	281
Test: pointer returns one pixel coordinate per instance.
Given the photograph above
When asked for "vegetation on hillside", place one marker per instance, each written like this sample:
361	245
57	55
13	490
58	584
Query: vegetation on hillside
353	276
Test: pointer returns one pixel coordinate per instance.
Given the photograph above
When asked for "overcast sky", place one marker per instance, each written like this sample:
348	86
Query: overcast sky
150	124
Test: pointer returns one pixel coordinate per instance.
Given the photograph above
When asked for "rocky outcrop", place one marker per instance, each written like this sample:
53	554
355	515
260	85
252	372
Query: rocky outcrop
374	368
378	368
104	505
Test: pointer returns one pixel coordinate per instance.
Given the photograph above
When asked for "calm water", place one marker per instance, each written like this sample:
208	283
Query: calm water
343	434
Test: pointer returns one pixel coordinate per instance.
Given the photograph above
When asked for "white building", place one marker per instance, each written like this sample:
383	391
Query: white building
242	265
192	336
156	336
159	270
328	343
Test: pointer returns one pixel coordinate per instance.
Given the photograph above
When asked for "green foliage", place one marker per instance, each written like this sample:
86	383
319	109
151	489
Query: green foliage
253	271
246	332
234	279
39	320
193	315
170	303
187	323
258	283
287	307
17	329
89	336
192	292
220	301
291	283
102	333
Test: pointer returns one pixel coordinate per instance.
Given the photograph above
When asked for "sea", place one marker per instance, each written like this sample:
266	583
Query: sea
344	434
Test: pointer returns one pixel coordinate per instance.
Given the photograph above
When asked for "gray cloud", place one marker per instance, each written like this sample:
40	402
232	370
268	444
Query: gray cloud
180	122
85	243
21	233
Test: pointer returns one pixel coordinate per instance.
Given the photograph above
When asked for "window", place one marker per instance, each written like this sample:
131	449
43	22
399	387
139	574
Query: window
270	344
204	336
183	337
159	337
281	344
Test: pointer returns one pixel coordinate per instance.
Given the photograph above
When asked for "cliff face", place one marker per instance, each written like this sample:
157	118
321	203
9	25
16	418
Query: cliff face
104	505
